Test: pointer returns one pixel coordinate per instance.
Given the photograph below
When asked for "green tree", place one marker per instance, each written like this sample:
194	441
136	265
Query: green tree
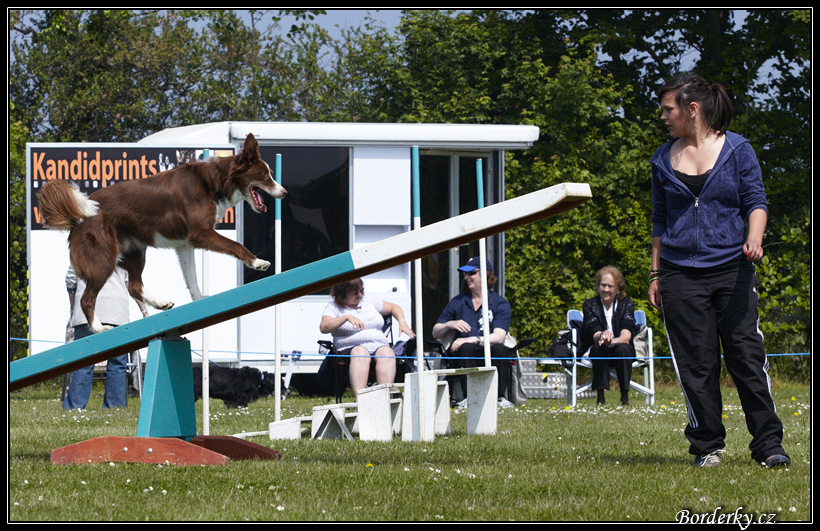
505	67
588	78
98	75
120	75
763	58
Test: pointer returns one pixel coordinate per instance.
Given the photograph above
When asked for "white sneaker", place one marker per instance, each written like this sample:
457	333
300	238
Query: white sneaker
710	460
503	402
462	404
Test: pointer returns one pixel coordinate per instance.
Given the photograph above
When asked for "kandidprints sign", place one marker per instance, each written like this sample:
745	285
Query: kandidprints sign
93	167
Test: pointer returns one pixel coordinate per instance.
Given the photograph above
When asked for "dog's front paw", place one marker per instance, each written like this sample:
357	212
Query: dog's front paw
260	265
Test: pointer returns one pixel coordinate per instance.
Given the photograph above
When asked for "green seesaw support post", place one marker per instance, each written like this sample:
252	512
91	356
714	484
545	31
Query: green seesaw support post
167	407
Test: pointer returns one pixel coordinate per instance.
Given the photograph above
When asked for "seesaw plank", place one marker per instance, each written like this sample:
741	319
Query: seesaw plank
299	281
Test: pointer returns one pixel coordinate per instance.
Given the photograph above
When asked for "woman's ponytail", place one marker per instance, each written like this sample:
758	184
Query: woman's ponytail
715	102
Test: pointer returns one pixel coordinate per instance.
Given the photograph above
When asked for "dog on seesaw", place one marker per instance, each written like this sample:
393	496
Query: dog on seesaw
176	209
236	387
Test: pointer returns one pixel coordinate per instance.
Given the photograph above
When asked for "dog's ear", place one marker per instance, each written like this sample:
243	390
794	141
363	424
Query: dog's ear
250	151
251	148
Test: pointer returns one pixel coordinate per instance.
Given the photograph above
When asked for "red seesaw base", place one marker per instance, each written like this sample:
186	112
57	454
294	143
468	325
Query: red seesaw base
201	450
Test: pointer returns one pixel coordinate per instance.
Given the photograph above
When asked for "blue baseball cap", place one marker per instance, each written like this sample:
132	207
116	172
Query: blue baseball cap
475	263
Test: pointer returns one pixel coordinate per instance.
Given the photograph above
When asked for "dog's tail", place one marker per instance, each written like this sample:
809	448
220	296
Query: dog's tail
63	205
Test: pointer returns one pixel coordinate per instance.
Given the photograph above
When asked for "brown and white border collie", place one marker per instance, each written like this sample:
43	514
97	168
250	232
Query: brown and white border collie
175	209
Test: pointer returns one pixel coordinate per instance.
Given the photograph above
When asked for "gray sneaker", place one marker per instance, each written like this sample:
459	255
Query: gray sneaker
710	460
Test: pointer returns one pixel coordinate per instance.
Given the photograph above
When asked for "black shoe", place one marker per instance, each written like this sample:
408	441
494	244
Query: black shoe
600	400
777	460
624	398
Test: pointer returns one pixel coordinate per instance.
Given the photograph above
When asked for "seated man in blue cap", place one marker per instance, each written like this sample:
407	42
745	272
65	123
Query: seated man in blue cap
460	328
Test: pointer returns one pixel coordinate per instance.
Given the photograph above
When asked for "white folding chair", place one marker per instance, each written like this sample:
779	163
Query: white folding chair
643	352
645	359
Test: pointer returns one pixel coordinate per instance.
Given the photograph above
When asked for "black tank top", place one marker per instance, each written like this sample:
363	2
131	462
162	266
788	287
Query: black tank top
693	182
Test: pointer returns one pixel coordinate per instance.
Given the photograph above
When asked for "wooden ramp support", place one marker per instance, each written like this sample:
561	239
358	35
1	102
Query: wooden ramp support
201	450
166	431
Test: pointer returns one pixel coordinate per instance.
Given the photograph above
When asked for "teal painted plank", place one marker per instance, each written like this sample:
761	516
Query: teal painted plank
298	282
179	320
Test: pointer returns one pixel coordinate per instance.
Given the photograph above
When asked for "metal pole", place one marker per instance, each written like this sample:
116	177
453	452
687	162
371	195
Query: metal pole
418	296
206	386
482	256
277	268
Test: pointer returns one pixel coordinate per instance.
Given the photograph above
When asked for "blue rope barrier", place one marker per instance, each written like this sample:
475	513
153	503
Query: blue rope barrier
426	358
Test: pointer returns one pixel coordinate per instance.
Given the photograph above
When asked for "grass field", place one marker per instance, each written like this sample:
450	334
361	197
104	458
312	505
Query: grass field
546	463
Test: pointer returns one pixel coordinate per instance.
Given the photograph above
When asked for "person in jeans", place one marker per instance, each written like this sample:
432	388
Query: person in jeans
709	215
112	310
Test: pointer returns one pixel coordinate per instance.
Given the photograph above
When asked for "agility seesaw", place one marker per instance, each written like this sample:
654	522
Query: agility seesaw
167	407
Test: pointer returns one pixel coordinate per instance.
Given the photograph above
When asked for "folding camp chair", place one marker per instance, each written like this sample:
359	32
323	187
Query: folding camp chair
643	352
340	365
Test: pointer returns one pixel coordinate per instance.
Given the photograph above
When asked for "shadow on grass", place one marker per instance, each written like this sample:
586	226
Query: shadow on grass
683	459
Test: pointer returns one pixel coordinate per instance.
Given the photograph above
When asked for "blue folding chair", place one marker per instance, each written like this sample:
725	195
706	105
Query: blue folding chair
645	359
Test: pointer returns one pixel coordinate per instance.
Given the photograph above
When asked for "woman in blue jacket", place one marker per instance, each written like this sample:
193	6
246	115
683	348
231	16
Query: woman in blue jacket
708	219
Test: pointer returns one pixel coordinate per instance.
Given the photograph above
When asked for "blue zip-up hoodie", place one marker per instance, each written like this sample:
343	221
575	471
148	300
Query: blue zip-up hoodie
710	229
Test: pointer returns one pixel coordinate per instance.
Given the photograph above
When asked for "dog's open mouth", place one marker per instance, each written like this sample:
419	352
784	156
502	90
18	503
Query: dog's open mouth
258	203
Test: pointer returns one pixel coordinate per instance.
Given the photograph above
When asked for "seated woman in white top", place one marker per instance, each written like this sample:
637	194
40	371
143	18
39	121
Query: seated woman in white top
356	322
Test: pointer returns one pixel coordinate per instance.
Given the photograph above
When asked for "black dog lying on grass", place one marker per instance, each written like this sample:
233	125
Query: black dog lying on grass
236	387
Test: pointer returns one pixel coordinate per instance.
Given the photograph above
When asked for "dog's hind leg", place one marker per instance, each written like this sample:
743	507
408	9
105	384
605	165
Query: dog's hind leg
134	263
185	254
88	303
93	251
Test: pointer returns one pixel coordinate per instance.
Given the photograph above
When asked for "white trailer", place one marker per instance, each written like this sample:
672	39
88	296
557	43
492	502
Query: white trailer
349	185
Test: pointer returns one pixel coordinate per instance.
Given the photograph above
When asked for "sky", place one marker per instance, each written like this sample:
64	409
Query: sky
351	18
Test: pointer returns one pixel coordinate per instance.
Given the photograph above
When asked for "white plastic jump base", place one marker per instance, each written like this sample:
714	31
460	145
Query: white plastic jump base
375	417
482	403
333	421
379	415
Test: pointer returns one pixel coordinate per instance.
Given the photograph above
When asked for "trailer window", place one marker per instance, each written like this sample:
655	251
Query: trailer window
315	213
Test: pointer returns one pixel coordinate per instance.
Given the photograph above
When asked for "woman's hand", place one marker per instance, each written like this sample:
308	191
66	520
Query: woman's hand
753	250
358	323
654	294
404	328
605	338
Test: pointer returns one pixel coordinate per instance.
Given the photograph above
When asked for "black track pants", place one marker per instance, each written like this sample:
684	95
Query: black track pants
704	309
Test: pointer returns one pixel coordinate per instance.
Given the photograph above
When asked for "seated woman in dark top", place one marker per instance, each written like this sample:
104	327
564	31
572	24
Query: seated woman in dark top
609	325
